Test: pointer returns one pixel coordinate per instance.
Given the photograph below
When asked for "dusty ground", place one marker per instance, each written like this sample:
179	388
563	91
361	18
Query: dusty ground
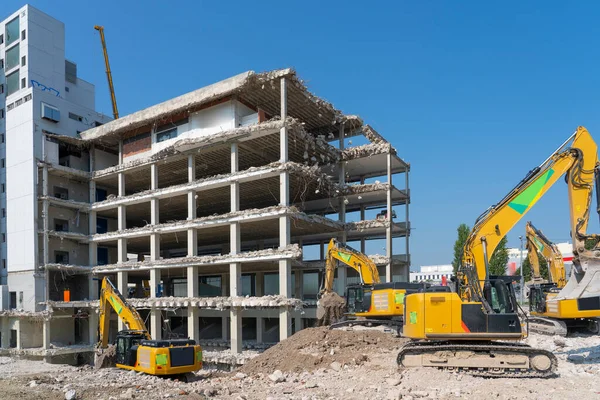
316	364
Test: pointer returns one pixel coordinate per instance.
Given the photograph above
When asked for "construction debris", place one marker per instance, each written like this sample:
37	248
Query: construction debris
330	309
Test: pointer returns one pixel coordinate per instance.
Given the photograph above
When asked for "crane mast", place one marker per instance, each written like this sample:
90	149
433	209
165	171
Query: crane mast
108	73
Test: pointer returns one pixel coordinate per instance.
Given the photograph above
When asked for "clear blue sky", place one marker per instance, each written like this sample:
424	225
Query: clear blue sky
473	94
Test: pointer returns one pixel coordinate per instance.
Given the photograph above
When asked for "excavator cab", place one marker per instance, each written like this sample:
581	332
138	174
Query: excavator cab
127	342
355	298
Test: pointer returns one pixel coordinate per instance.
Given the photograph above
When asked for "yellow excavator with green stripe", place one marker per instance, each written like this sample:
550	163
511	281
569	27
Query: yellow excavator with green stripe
135	349
368	303
465	329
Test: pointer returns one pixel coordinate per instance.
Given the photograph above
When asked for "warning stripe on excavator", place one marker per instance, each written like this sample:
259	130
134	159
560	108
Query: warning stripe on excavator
465	327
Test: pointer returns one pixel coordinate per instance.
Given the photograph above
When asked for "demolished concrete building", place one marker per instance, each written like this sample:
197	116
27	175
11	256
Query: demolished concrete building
211	212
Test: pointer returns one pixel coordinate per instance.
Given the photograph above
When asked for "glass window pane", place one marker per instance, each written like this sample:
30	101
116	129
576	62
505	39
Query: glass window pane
310	284
12	83
12	31
271	284
12	57
166	135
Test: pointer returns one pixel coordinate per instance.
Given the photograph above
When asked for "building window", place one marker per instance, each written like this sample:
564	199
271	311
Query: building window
101	194
50	113
4	238
12	83
1	137
61	225
1	113
23	35
12	31
12	57
3	163
168	131
1	39
4	263
66	89
101	225
23	83
75	117
102	255
61	193
1	63
23	61
1	88
3	187
61	257
4	213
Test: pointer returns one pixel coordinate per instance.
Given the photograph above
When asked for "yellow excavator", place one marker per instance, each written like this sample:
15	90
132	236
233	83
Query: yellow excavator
135	349
367	303
537	242
464	329
553	311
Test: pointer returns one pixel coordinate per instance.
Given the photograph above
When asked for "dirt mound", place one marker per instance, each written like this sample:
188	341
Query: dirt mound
315	348
105	358
330	309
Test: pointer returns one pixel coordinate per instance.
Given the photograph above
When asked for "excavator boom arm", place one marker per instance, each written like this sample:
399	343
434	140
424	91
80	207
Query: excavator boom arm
538	242
365	267
111	299
577	160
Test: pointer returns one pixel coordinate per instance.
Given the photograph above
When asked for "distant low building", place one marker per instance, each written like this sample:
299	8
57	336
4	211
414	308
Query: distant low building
514	257
432	273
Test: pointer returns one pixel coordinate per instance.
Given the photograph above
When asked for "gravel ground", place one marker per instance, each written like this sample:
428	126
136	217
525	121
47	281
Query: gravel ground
370	374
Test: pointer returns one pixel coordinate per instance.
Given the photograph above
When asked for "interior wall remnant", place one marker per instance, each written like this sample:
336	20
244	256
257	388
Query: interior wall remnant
211	328
62	331
29	331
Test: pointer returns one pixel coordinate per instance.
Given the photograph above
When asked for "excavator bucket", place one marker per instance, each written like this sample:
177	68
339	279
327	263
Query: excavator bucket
584	283
330	309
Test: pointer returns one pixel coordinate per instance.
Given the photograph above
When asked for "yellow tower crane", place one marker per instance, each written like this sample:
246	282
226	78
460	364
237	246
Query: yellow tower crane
108	73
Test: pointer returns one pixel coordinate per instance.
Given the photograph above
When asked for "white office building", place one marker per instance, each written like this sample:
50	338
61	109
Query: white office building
432	273
41	96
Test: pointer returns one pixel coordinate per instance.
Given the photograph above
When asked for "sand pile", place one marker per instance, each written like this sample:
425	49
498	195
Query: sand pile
315	348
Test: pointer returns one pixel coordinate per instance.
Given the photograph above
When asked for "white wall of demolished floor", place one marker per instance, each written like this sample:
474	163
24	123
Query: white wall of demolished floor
332	173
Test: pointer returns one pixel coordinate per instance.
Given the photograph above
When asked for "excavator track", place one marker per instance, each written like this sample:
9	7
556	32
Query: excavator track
547	326
487	359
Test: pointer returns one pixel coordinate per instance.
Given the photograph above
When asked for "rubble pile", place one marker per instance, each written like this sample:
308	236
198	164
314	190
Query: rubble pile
315	348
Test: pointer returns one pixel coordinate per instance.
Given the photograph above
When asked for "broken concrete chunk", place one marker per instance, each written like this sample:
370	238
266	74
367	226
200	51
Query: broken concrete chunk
70	395
277	376
336	366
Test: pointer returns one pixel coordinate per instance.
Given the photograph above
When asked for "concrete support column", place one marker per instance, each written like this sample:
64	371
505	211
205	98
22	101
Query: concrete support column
193	312
46	334
235	269
121	182
235	315
155	315
363	242
93	315
260	326
5	329
154	215
285	289
342	271
389	220
122	280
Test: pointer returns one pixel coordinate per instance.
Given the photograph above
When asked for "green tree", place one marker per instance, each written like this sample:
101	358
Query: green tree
499	258
463	231
527	269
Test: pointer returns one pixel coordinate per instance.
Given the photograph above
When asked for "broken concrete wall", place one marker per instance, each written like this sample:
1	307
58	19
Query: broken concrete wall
74	189
78	254
76	221
104	159
30	333
62	331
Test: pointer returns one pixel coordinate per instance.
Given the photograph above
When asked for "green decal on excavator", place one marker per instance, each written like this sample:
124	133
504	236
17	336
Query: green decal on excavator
116	305
413	317
344	256
399	298
199	356
530	195
539	244
161	359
